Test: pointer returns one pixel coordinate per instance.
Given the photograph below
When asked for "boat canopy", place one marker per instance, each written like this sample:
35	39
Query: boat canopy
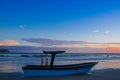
53	52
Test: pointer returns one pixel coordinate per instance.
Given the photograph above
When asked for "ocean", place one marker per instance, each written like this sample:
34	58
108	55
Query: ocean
13	62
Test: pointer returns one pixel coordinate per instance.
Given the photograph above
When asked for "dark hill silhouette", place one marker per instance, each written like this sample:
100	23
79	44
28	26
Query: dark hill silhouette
4	50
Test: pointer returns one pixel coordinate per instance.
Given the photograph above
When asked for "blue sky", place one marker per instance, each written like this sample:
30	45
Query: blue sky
69	20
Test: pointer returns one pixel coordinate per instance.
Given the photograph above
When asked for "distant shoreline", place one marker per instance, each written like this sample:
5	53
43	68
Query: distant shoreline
42	52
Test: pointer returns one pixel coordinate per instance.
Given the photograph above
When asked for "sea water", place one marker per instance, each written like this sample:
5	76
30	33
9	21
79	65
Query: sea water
13	62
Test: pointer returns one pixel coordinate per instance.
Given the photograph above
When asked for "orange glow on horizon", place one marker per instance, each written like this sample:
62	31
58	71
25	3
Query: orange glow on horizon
8	43
113	49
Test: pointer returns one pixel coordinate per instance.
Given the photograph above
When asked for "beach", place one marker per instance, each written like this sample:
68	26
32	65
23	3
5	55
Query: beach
106	69
102	71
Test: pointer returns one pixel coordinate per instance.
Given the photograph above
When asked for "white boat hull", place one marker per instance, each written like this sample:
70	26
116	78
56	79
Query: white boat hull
79	69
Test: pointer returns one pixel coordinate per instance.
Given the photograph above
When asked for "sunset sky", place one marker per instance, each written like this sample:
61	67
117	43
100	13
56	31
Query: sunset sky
78	24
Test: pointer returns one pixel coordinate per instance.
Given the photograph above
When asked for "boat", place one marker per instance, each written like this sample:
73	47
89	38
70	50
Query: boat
57	70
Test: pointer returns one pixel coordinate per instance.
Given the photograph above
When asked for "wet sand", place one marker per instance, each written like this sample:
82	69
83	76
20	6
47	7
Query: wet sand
103	74
104	70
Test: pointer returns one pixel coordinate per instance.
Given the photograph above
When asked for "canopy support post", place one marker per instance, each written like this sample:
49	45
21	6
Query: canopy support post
52	60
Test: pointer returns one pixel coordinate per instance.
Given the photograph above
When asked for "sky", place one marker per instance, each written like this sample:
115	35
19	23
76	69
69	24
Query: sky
61	23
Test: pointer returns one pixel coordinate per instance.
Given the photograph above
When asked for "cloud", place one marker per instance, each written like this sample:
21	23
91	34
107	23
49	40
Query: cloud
22	26
106	32
51	42
95	31
69	44
102	32
8	43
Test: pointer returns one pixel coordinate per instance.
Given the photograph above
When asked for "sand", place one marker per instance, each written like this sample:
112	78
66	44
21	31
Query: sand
103	74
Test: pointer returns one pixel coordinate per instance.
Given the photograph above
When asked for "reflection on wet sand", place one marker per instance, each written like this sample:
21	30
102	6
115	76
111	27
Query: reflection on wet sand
115	64
10	67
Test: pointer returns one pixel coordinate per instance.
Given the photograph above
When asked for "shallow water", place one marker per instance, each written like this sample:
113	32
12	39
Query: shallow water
13	62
